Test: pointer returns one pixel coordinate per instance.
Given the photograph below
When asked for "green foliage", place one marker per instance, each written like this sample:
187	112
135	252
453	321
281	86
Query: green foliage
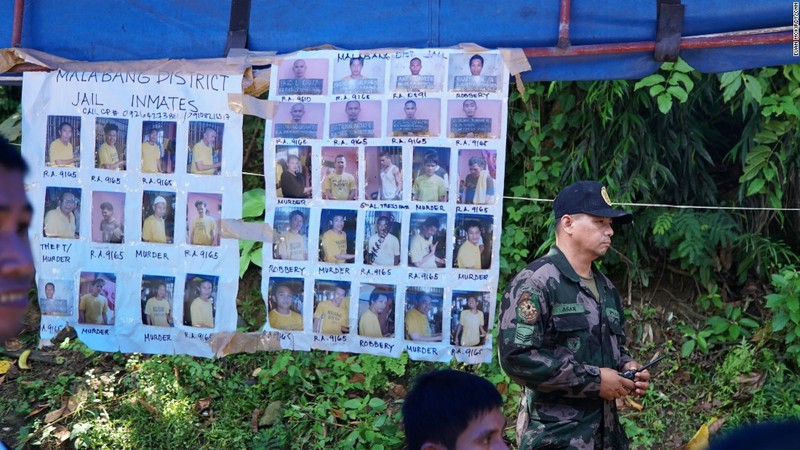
784	304
253	209
676	85
695	240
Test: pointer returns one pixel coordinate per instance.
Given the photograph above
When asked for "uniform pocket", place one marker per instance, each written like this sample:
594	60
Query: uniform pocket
572	333
568	323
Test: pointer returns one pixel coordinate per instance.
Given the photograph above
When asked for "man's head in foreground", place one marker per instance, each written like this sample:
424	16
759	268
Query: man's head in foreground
452	410
16	261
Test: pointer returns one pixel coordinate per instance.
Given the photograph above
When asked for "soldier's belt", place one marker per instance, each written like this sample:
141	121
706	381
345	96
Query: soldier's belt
578	403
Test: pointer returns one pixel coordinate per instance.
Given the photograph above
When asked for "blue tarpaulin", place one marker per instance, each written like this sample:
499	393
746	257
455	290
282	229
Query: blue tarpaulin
149	29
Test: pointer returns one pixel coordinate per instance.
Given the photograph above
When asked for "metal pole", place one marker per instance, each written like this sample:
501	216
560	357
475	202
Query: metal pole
16	33
649	46
563	25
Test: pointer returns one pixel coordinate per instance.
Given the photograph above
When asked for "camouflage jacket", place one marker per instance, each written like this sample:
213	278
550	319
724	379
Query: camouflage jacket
554	337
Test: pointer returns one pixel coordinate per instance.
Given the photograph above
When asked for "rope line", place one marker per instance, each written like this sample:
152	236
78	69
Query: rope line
638	205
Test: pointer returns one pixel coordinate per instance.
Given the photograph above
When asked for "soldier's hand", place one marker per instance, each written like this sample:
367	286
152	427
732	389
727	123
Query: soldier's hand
612	385
641	379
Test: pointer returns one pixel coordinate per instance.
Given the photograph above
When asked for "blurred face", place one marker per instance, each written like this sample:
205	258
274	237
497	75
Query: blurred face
338	223
67	203
294	165
355	67
338	296
472	303
16	260
379	304
386	161
475	67
474	235
107	214
353	109
424	304
470	107
475	169
210	137
484	433
96	288
430	168
383	227
299	68
201	209
111	138
410	109
429	231
341	163
415	66
49	291
205	289
65	133
161	292
283	299
296	223
297	112
160	209
153	137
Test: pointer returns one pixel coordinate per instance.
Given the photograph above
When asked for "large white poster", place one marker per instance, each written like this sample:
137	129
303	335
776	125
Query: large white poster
384	175
132	172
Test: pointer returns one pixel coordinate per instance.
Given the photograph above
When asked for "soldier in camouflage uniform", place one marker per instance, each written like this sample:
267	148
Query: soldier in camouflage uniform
562	333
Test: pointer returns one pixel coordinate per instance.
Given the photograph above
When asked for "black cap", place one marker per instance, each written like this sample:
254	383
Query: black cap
588	197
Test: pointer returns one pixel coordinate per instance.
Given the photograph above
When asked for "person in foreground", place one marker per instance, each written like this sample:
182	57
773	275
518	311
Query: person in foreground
452	410
16	260
562	332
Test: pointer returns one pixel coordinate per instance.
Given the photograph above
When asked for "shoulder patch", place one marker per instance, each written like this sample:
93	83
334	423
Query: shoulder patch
528	305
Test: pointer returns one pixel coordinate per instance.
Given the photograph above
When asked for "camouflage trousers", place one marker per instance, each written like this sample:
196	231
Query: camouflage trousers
569	424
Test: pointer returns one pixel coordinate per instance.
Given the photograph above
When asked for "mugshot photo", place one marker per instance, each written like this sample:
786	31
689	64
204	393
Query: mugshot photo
62	212
158	147
291	233
331	307
293	171
423	313
354	74
56	297
285	303
64	138
205	148
157	300
355	119
431	174
476	185
199	300
337	236
427	240
376	304
475	72
298	120
303	76
382	232
470	118
111	143
417	74
203	216
383	167
108	217
469	318
158	217
97	298
414	117
339	173
473	241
